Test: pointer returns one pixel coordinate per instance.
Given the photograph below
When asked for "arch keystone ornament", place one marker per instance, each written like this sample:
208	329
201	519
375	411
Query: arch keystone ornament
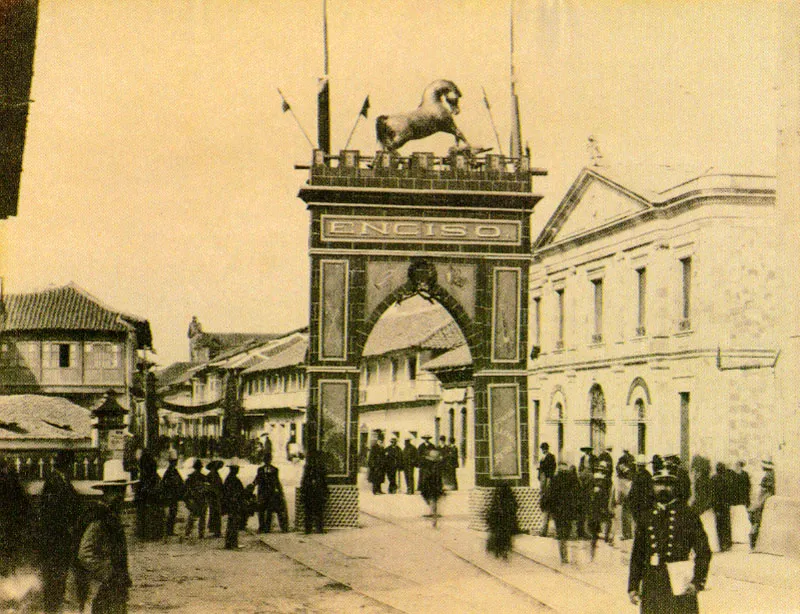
384	228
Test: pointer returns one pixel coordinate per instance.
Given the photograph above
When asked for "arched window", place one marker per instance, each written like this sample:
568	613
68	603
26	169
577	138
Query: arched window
560	414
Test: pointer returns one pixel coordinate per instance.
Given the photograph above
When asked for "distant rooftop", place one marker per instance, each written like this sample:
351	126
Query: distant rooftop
422	171
428	326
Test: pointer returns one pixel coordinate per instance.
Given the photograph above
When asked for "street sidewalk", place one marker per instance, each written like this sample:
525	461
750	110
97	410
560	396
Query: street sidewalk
739	580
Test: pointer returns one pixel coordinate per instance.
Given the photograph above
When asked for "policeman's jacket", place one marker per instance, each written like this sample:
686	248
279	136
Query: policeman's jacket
666	534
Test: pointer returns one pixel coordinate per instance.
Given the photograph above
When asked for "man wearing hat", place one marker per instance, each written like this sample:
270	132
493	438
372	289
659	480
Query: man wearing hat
765	491
103	550
393	456
59	512
545	471
172	490
214	498
670	531
423	451
640	498
376	465
196	499
586	466
560	500
683	485
626	466
234	505
410	461
600	498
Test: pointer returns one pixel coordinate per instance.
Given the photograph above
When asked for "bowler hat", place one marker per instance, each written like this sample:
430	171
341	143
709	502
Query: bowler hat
587	449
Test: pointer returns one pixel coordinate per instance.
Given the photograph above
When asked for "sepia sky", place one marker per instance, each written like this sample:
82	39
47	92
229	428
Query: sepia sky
158	170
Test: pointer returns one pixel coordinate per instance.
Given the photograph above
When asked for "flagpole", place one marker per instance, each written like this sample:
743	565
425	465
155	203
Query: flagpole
491	120
516	130
287	107
363	111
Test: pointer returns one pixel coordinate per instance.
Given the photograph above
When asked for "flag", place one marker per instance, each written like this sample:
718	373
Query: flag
284	105
364	107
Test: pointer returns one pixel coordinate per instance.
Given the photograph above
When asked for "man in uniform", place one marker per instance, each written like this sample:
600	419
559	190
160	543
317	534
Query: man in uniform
683	484
641	494
668	534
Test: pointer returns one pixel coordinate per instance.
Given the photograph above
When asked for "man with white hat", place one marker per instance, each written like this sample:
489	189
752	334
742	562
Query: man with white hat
103	550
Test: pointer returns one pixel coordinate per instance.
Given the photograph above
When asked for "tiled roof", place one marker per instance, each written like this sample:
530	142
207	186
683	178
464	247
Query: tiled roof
457	357
432	327
234	341
31	416
175	373
67	308
449	336
289	355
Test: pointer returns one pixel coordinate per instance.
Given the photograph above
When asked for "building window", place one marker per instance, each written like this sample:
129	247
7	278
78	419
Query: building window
395	366
412	368
63	355
597	337
686	274
537	321
561	318
641	280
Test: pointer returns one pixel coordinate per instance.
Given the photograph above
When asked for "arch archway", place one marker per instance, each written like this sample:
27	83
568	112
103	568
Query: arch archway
381	232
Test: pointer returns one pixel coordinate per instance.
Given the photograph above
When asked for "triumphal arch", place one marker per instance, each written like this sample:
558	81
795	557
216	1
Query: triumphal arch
453	229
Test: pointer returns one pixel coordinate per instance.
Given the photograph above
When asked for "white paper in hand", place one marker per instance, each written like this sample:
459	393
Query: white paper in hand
680	575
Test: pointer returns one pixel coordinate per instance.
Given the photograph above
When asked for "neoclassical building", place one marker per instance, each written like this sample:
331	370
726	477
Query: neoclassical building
653	316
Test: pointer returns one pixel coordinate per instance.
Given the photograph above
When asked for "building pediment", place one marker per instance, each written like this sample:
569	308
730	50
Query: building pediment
592	202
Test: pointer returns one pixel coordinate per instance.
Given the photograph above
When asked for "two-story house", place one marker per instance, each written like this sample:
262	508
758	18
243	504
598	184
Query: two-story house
64	342
275	394
653	316
399	396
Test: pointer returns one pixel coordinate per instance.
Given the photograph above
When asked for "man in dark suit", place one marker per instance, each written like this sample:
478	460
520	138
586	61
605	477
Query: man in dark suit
410	462
545	471
59	513
376	465
669	534
640	498
270	496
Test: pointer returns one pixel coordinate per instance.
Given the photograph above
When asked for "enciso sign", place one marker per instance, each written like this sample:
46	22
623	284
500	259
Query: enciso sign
350	229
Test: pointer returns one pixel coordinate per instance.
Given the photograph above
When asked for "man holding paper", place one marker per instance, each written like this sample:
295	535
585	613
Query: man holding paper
662	578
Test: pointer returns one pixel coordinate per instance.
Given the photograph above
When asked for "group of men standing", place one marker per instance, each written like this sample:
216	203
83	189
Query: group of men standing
386	462
661	510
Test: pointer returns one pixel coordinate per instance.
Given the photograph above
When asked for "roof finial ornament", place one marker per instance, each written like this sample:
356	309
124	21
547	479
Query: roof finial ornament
595	156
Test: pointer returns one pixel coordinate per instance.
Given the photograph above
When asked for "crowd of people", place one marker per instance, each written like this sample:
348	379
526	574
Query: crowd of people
428	469
597	497
68	534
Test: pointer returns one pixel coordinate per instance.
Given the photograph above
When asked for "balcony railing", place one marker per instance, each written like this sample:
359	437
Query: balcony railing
273	400
398	392
422	170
